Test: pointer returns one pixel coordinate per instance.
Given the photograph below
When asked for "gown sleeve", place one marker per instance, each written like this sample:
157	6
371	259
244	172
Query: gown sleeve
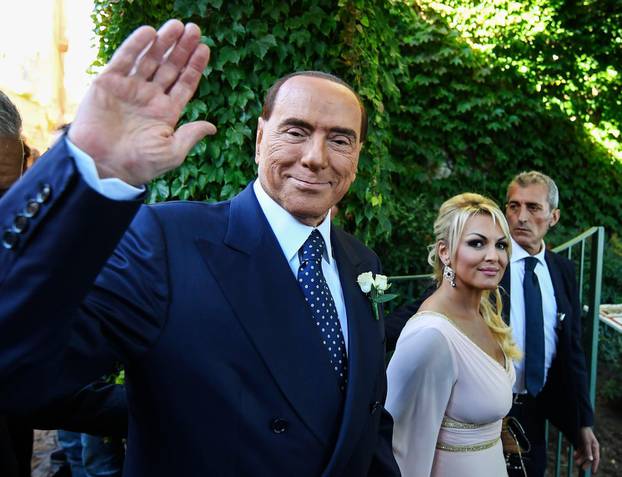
421	375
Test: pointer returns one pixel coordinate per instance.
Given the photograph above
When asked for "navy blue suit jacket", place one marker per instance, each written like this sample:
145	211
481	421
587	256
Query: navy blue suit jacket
226	373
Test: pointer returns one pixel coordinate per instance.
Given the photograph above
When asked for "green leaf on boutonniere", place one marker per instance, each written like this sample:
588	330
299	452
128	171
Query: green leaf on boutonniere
385	298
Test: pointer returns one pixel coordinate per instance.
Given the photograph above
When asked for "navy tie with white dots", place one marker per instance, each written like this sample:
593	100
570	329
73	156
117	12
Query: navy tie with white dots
317	294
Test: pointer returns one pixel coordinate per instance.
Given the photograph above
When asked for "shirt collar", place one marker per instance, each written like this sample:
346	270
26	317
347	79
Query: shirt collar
290	233
519	253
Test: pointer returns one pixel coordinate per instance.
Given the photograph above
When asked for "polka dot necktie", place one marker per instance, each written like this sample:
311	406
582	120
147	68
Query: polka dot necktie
317	294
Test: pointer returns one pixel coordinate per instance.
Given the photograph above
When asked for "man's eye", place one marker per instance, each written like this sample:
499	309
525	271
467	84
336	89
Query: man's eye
295	132
341	141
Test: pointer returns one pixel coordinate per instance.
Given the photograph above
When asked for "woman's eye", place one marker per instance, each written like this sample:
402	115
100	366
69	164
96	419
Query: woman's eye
475	243
502	245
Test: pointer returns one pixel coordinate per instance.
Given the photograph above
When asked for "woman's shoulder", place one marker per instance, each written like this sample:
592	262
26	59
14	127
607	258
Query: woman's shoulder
425	342
429	327
428	319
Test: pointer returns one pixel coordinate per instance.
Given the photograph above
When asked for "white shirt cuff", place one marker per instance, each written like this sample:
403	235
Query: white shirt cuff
112	188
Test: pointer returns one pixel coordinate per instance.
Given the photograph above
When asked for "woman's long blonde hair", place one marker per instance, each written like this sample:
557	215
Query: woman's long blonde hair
448	228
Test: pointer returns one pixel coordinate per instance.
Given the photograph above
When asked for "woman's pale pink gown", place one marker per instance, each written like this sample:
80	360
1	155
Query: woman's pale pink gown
447	398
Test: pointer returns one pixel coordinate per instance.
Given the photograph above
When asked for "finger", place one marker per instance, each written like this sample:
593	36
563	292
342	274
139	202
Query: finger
183	89
125	57
579	457
588	451
166	37
596	462
189	134
176	61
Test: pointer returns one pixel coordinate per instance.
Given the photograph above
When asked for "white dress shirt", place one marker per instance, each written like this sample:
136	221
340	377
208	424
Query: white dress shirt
291	235
517	309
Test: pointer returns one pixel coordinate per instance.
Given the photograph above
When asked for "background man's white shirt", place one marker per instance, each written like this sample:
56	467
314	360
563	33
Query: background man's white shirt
517	309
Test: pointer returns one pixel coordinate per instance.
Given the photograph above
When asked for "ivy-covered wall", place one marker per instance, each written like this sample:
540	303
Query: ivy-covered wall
459	100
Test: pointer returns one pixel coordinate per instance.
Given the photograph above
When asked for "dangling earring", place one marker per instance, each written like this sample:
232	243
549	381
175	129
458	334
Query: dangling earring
449	275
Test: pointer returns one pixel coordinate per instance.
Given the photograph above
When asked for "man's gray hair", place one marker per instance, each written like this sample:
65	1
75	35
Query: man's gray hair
525	179
10	120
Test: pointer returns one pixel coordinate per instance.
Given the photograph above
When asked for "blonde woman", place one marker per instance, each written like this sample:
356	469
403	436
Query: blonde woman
450	379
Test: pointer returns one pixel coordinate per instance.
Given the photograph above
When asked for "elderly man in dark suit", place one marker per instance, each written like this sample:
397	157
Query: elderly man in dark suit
541	303
249	347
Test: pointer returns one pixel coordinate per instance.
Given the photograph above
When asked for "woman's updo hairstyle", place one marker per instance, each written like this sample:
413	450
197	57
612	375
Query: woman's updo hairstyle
448	228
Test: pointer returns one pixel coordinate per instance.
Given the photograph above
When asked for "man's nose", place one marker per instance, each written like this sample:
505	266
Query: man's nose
523	214
315	155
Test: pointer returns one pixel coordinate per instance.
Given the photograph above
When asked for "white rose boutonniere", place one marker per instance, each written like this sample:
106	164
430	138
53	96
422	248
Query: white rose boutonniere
375	287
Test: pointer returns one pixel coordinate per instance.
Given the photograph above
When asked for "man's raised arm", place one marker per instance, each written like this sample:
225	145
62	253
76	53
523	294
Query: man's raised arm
56	231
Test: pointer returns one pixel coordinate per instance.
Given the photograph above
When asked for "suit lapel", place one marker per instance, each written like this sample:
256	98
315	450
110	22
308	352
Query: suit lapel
364	345
561	301
505	294
258	283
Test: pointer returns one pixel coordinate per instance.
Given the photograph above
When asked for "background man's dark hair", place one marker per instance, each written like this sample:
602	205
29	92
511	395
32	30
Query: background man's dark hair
12	158
268	104
10	120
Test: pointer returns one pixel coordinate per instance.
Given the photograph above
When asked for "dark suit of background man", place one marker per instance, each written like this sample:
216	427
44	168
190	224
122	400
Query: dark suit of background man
562	393
230	369
551	380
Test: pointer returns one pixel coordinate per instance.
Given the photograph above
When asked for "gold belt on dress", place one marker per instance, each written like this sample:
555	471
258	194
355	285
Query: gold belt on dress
468	448
449	423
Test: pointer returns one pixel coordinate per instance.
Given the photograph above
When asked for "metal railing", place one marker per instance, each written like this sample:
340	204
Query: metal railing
576	249
591	265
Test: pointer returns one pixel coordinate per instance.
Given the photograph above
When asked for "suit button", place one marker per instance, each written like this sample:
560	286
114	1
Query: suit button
32	208
44	193
20	224
10	239
278	425
375	407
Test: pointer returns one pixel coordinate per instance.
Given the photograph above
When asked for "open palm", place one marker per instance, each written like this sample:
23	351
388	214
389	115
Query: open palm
127	119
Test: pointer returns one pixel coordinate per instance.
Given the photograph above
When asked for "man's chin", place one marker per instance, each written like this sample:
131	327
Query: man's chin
308	216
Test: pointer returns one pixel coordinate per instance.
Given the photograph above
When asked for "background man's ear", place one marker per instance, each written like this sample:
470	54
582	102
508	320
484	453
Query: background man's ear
554	217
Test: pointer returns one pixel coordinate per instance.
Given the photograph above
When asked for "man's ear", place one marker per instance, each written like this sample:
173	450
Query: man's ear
554	217
360	147
258	138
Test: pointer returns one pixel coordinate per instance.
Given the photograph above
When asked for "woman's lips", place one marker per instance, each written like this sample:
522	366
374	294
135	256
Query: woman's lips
489	271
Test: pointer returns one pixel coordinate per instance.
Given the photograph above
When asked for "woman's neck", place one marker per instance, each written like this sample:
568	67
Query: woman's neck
459	302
